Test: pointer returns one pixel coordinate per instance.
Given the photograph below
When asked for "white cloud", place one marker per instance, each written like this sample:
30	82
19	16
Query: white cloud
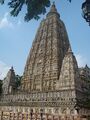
4	22
3	69
82	61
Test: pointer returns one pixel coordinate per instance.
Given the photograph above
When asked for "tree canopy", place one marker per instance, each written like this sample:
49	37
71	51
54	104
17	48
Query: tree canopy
0	86
18	80
34	7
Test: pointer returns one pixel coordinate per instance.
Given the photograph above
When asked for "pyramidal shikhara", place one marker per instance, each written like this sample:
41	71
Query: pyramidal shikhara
51	86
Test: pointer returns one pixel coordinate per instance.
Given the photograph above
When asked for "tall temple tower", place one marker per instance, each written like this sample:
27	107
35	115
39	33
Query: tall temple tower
52	84
44	62
51	64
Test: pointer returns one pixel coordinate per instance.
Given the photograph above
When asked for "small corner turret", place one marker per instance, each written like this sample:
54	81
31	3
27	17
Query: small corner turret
9	82
69	71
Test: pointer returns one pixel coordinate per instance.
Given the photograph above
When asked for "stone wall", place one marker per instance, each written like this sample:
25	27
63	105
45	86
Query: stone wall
36	116
40	99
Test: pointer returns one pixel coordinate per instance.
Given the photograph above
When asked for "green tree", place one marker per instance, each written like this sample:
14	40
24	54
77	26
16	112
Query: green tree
0	86
18	80
85	101
34	7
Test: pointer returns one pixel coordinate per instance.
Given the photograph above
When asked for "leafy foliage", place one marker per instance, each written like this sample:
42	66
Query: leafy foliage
85	102
34	7
0	86
18	80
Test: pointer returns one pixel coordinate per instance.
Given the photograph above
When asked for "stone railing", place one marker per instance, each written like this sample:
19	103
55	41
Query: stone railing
37	96
36	99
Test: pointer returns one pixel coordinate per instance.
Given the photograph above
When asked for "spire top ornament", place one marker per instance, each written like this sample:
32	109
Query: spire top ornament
53	10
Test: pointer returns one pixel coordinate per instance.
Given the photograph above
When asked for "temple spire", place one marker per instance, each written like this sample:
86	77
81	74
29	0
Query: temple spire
44	62
11	68
9	82
53	10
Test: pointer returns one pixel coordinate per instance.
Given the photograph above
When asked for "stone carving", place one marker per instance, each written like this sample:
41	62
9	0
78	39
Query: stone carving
51	80
9	82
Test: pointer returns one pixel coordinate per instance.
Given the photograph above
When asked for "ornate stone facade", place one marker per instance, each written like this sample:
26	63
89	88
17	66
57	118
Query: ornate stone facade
9	82
52	80
44	62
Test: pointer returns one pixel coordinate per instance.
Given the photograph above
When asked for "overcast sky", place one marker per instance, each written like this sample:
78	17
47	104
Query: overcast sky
16	36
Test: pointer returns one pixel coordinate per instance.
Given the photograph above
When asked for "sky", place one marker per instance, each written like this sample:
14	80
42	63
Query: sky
16	35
